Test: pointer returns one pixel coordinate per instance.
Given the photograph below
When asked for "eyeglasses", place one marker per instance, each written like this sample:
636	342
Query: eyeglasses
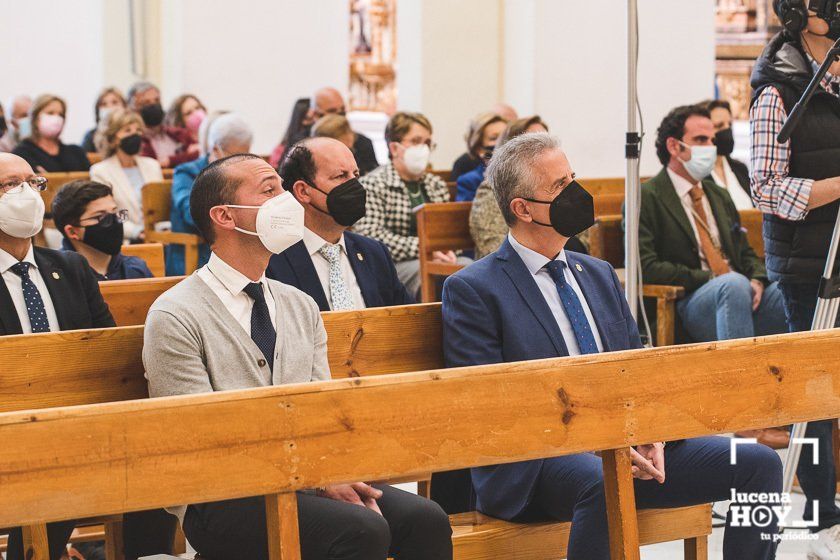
106	220
37	184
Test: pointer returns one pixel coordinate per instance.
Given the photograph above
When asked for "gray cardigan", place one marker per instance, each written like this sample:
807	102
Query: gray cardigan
191	344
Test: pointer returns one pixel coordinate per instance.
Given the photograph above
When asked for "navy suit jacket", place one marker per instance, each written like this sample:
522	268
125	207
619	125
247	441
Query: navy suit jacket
494	312
369	259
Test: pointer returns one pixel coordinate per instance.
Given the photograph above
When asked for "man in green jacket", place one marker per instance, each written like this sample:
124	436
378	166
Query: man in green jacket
690	235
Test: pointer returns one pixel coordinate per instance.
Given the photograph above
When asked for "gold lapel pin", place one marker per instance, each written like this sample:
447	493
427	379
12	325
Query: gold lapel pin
360	256
55	275
580	268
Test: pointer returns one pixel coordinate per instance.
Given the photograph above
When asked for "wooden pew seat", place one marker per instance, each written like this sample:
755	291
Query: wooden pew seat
478	537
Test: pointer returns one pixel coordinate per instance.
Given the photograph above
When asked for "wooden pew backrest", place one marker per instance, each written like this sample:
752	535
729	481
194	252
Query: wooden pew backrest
157	207
441	227
57	180
130	300
151	253
751	221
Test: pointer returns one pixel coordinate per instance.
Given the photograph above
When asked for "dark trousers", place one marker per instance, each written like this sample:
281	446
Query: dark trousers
410	528
817	481
145	533
697	471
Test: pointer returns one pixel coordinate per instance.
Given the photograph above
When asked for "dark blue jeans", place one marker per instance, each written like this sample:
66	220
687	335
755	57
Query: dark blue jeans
817	481
697	471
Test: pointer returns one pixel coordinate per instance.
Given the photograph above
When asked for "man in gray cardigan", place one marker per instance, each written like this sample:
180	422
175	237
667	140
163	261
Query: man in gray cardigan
229	327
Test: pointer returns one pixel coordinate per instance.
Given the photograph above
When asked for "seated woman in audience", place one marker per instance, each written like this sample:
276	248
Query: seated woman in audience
44	150
297	130
472	157
482	140
169	145
336	127
228	135
729	173
108	100
396	189
186	112
91	222
204	129
119	138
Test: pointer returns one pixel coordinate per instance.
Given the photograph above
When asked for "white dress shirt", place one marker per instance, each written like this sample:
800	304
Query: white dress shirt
535	263
15	286
313	243
227	283
682	186
739	195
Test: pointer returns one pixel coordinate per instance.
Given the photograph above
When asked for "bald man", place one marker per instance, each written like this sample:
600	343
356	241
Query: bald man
340	270
329	100
17	128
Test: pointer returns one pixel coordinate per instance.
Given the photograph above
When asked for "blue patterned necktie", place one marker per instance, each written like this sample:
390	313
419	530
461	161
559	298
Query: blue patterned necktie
339	294
574	309
262	331
34	302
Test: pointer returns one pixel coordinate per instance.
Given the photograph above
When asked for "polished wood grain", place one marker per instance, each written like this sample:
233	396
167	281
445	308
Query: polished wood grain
443	226
130	300
157	206
151	254
621	512
281	514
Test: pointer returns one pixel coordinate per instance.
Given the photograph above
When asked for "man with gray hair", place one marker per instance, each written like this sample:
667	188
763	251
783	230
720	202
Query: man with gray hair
17	125
229	134
532	299
170	145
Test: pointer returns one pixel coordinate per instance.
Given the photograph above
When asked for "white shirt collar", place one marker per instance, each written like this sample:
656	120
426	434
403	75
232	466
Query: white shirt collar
230	278
7	261
681	184
534	261
314	242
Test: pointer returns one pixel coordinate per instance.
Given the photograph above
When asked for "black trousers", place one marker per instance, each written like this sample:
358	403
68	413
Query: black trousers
410	528
145	533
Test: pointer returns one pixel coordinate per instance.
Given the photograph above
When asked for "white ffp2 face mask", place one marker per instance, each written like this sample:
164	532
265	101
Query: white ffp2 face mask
416	159
22	212
279	222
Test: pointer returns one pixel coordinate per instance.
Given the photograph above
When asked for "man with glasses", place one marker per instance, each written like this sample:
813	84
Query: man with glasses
87	216
42	290
395	190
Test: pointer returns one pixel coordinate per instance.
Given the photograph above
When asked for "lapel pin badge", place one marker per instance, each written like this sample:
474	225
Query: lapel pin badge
360	256
580	268
55	275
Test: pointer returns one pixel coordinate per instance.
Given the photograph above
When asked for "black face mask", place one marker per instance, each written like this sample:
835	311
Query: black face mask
345	203
3	126
487	153
106	236
131	144
725	142
571	212
152	114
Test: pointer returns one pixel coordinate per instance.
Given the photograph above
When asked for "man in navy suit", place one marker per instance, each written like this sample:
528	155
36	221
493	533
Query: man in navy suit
338	269
531	299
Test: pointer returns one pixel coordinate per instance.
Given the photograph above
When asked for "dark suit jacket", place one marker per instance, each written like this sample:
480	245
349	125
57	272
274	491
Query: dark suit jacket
73	289
494	312
364	153
369	259
668	249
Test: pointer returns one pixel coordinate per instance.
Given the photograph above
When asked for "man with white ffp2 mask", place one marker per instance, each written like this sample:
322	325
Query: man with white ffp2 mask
395	190
228	327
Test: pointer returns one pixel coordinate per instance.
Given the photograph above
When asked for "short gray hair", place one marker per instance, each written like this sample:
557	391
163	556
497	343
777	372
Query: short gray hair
138	88
229	128
510	174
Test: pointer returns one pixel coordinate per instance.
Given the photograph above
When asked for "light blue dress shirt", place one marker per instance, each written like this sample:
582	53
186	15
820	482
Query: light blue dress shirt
535	263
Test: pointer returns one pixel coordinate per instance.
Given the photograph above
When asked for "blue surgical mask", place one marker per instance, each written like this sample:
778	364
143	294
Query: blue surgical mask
702	161
24	128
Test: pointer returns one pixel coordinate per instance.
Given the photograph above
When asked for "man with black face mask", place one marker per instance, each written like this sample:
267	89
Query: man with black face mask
533	299
92	225
170	145
797	186
340	270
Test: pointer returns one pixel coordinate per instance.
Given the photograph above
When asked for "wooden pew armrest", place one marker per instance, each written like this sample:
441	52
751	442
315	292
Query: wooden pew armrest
442	269
173	238
670	293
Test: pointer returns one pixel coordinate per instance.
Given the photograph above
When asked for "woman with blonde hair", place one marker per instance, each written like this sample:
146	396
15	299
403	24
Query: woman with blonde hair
109	99
43	149
119	138
481	136
333	125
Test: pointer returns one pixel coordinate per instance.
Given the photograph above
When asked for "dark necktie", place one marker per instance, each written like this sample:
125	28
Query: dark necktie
262	331
34	302
574	309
